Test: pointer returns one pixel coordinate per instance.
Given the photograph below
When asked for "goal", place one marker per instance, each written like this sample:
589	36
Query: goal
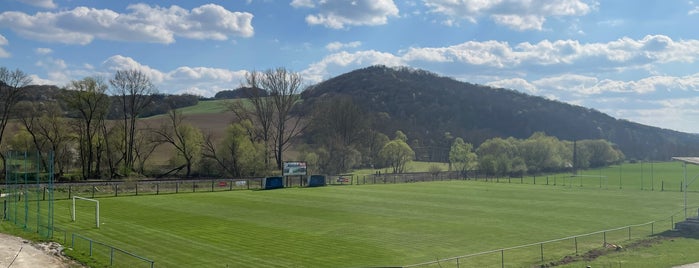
97	209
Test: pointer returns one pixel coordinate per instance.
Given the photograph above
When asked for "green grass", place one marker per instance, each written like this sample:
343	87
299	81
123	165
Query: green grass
206	107
356	226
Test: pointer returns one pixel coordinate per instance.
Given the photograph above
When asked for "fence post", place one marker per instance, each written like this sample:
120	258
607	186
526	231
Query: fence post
70	191
116	189
502	258
194	186
93	191
72	240
111	256
177	187
629	232
672	222
90	246
605	237
576	244
542	252
212	185
157	188
652	227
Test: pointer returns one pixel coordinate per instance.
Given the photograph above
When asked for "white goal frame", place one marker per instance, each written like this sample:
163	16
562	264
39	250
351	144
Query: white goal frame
97	209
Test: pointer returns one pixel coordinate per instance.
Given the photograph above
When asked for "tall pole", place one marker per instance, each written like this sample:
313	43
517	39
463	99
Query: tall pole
685	190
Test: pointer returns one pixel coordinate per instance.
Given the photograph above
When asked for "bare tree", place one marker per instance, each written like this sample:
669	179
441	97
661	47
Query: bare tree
135	92
258	109
87	101
11	89
48	129
272	94
186	139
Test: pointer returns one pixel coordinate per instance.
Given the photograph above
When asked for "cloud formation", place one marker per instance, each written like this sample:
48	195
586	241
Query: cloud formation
335	46
144	23
517	15
3	42
203	81
40	3
338	14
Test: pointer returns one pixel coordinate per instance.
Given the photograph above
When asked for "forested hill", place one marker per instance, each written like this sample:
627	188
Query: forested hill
426	107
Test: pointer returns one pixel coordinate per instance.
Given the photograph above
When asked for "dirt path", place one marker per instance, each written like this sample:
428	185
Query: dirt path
17	252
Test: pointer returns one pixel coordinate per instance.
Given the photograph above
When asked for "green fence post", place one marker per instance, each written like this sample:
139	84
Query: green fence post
542	252
111	256
629	232
576	244
157	188
502	258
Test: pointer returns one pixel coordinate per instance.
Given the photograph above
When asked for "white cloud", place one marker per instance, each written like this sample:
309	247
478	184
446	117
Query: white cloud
43	50
3	42
338	14
40	3
119	62
335	46
337	62
203	81
144	23
515	14
561	56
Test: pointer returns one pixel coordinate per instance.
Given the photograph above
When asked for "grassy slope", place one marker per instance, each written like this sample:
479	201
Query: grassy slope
369	225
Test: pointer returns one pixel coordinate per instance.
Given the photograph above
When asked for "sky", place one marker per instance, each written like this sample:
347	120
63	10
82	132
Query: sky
634	60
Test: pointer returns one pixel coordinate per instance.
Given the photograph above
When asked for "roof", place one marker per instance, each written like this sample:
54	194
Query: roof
689	160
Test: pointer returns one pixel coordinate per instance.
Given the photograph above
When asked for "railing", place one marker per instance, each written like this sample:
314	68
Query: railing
557	250
106	254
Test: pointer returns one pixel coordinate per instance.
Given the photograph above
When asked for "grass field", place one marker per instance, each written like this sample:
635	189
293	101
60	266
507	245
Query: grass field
359	226
395	224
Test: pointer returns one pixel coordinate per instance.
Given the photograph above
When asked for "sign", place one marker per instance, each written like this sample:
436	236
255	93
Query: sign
294	169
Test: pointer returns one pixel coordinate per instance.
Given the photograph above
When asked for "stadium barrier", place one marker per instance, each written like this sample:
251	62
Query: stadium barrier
563	250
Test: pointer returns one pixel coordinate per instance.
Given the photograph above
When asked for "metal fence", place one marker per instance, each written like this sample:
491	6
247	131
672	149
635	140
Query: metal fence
175	186
101	253
559	251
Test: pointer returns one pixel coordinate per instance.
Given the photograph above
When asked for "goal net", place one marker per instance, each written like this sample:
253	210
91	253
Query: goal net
97	209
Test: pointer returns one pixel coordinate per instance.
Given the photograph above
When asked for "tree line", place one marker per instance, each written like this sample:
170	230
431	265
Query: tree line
94	130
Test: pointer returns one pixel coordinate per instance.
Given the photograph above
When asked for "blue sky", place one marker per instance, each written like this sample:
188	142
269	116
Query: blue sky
635	60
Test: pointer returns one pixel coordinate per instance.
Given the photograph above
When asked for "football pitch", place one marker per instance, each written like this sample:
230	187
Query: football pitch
359	225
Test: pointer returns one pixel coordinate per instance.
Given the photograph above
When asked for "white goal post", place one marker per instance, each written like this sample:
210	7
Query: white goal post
97	209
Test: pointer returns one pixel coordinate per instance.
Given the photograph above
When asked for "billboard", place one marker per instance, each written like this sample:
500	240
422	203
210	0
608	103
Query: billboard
294	169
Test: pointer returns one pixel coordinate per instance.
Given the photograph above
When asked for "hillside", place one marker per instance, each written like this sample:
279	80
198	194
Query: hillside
426	106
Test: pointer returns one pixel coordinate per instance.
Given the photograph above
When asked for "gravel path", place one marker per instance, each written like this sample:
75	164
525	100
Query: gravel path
17	252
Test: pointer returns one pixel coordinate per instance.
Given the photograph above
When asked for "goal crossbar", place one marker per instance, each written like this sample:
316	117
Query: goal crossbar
97	209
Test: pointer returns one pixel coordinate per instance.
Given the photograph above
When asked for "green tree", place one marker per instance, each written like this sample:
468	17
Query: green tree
461	156
237	154
543	153
500	154
397	154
